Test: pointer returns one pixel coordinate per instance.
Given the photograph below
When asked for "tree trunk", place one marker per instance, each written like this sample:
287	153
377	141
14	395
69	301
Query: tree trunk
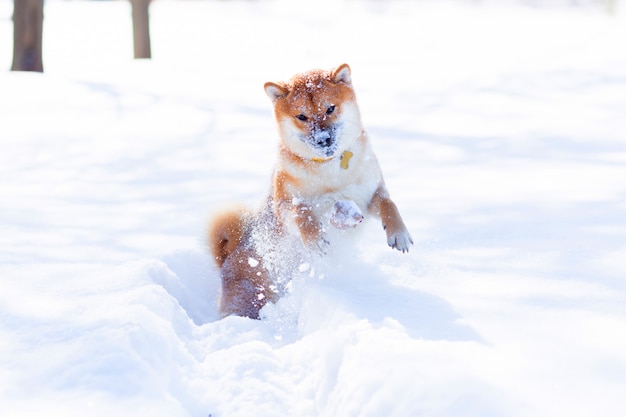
141	28
611	6
27	35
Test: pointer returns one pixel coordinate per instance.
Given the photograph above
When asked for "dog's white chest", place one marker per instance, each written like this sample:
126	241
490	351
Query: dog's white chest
355	176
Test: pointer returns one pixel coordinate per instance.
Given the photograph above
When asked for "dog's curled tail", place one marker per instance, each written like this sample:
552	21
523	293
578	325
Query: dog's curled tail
225	232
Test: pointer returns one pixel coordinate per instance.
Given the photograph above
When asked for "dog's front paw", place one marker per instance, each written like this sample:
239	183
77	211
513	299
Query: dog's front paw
400	240
316	242
317	245
345	214
322	246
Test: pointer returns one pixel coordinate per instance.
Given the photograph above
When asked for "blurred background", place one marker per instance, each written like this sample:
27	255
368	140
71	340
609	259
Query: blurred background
78	35
196	44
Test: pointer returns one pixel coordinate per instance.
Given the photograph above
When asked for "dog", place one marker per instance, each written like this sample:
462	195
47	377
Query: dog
327	176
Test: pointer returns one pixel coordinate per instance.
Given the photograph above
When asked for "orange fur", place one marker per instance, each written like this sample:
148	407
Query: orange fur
382	206
246	286
319	123
225	232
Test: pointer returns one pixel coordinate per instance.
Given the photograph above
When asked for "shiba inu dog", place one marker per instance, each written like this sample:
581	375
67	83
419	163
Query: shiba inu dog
326	176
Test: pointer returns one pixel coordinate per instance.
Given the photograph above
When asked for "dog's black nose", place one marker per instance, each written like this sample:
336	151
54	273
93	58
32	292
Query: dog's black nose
323	137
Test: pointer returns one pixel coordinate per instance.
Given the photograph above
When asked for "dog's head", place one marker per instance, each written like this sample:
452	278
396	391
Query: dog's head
316	112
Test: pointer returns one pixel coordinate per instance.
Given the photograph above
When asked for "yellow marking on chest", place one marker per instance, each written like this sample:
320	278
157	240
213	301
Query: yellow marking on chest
345	159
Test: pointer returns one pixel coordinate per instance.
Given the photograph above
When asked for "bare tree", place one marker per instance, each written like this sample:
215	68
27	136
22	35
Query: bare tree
27	35
141	28
611	6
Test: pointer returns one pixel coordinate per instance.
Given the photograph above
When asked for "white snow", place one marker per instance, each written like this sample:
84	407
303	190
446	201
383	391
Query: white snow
499	127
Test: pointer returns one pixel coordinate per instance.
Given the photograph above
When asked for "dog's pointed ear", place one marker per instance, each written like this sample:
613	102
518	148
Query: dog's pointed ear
275	91
341	74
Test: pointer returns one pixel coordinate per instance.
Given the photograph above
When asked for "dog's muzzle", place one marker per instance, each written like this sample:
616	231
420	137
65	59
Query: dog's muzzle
323	140
323	137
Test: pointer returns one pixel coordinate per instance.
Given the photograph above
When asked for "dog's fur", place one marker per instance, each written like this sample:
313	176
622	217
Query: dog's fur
324	158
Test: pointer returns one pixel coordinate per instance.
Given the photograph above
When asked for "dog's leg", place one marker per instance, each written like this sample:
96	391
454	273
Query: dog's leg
246	284
310	228
398	236
286	206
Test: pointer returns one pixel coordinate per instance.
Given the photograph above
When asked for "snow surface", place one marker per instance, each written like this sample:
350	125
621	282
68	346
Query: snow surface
501	131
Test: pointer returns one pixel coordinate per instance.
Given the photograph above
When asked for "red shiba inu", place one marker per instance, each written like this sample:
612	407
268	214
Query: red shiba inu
326	176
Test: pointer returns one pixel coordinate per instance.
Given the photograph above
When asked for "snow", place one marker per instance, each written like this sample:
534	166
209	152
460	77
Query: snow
499	127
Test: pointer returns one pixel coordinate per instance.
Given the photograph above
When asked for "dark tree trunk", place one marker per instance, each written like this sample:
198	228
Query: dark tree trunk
141	28
611	6
27	35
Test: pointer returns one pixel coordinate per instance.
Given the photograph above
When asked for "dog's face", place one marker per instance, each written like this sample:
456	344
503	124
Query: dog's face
316	112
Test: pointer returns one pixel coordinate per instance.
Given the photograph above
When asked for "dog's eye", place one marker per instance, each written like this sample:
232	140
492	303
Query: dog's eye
302	117
330	109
